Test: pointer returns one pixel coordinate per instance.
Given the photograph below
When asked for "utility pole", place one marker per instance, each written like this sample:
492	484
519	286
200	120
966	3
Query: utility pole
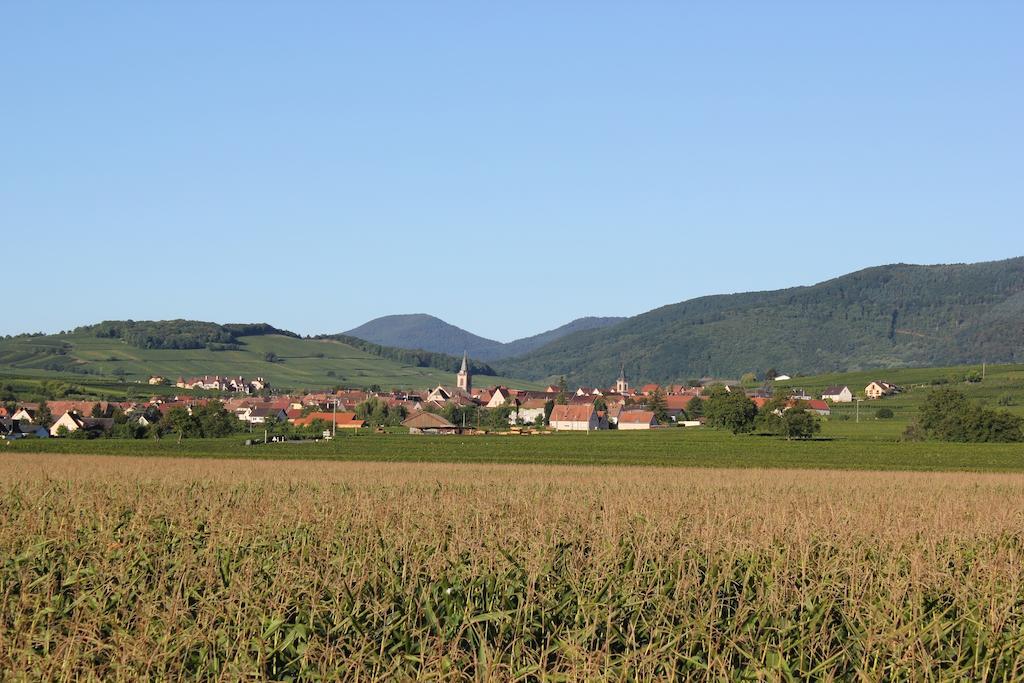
334	419
857	402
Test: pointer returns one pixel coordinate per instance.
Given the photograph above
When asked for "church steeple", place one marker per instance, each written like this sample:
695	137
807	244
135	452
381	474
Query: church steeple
463	380
622	386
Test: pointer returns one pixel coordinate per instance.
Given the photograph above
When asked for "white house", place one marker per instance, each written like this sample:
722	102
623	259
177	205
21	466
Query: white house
637	419
574	418
837	394
499	397
878	389
529	411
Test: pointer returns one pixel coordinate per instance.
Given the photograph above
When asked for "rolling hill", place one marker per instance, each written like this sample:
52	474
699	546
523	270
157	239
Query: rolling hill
132	351
421	331
888	316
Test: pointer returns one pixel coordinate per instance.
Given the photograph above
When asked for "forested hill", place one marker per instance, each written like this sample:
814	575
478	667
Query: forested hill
421	331
875	318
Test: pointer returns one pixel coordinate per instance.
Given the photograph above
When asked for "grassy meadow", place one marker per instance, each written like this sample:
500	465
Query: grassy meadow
132	568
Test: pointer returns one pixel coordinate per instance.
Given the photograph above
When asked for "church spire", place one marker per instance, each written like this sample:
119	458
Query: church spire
622	386
463	380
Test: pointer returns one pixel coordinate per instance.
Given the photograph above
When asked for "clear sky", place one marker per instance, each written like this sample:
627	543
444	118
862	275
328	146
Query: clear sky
507	167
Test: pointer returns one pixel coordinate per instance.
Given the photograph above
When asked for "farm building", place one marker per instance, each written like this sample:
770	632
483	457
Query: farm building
820	407
878	389
574	418
342	420
837	394
637	419
429	423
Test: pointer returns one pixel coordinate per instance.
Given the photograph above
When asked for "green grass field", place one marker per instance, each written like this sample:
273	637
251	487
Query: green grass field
303	364
869	450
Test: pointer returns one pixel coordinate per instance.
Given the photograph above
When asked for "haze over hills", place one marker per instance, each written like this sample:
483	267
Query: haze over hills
422	331
887	316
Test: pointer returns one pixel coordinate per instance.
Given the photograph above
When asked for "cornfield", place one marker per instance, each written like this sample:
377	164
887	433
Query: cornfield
121	568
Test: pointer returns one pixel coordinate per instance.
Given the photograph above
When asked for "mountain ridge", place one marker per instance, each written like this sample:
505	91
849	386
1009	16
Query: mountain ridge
423	331
882	316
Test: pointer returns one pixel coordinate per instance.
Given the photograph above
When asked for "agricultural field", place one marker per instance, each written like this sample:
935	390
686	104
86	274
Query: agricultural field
159	568
868	445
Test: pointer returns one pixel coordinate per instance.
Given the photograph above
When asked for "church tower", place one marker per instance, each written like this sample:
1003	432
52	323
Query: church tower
464	380
621	385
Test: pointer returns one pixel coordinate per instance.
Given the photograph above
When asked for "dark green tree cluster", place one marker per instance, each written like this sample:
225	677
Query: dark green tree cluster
849	321
948	415
178	334
206	421
793	423
729	410
378	413
658	404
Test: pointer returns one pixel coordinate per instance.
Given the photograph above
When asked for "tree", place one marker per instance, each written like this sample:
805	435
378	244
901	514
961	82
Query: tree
270	357
947	415
883	414
695	408
183	424
97	410
43	415
731	410
658	404
770	374
563	392
549	406
748	378
600	403
798	423
214	421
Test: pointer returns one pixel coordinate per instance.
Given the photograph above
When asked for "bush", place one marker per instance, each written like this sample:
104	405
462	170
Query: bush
947	415
883	414
1006	400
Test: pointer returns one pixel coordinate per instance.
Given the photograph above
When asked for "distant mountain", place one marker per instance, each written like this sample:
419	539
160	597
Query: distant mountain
888	316
421	331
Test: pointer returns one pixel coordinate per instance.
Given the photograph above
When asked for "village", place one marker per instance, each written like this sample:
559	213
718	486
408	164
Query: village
460	408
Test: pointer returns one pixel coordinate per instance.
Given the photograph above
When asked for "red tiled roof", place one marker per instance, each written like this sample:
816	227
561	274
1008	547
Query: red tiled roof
572	413
678	402
343	418
533	403
636	416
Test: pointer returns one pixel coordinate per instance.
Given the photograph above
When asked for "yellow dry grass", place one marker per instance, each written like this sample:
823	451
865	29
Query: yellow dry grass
121	568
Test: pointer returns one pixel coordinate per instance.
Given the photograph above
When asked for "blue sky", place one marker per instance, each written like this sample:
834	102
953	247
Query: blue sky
505	167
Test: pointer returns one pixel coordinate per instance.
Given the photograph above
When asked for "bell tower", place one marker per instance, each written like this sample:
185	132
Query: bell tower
621	385
464	380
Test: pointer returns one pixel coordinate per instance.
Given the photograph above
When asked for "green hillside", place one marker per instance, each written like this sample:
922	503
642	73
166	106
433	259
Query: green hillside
884	317
297	362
